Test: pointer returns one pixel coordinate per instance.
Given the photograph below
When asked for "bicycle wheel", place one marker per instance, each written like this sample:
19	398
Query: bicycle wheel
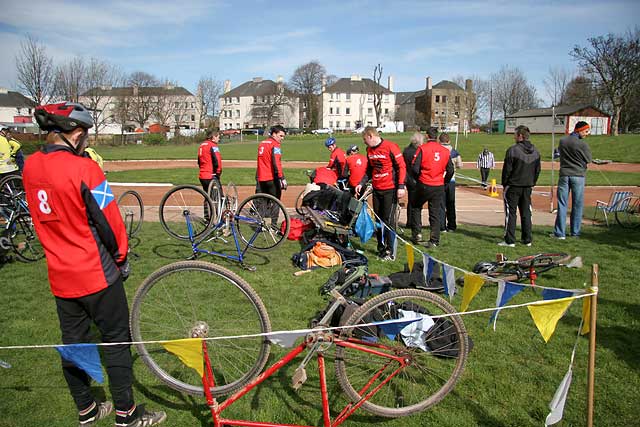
298	204
262	222
12	197
506	272
194	299
231	197
215	193
543	260
630	216
24	240
185	201
435	360
132	211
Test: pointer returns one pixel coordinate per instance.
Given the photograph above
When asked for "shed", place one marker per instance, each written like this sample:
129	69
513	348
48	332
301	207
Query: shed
540	120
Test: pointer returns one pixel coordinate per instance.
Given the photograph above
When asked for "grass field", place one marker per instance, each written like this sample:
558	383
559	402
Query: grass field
625	148
509	380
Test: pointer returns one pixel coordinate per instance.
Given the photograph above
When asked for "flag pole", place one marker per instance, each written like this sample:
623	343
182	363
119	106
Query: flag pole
595	274
553	148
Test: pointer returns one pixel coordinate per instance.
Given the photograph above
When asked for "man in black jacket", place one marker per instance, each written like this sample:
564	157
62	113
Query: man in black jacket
519	175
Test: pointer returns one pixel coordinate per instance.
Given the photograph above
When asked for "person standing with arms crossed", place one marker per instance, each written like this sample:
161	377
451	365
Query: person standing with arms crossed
432	169
387	171
575	155
78	222
520	173
417	139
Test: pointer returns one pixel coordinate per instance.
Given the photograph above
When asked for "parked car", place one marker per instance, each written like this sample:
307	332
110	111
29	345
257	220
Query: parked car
294	131
229	132
359	130
322	131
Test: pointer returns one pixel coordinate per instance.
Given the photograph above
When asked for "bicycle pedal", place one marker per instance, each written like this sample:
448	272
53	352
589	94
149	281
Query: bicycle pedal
299	378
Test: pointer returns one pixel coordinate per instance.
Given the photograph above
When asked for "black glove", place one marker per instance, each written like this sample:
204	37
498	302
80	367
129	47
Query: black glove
283	183
125	269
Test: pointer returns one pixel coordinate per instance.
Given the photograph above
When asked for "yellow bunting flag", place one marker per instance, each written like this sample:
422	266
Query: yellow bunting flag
586	315
472	284
547	314
189	351
410	257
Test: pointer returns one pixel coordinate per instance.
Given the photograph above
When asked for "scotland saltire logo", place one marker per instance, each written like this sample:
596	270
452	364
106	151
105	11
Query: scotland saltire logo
277	150
102	194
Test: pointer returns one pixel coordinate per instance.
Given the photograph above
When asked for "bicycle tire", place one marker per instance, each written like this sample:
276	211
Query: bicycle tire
630	216
132	211
189	297
215	193
298	204
258	222
430	375
543	260
11	193
506	272
182	201
24	240
231	197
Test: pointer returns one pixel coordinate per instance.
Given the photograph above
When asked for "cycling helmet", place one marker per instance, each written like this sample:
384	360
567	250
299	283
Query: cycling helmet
352	149
483	267
329	142
64	116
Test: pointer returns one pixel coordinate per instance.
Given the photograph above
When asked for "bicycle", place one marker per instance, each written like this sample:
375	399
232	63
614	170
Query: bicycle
132	211
526	267
14	211
387	373
255	223
629	217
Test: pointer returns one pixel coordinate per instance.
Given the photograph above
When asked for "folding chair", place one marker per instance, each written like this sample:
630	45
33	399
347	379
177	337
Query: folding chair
617	203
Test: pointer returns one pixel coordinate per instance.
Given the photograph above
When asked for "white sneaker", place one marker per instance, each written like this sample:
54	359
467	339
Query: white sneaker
553	235
528	244
510	245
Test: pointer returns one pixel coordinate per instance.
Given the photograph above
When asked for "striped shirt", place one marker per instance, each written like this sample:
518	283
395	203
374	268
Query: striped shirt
485	160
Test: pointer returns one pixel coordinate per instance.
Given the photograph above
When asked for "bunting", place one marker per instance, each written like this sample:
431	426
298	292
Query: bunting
189	351
547	314
394	247
472	285
449	280
586	316
559	399
85	357
551	294
286	339
410	256
413	334
391	328
506	291
427	268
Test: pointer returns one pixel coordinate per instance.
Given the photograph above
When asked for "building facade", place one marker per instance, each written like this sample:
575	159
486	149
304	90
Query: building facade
348	104
446	106
258	103
15	108
541	120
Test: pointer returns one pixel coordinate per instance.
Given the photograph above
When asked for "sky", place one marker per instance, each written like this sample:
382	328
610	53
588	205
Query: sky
238	40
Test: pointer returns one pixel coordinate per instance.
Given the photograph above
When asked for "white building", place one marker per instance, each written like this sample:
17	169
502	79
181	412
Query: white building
15	108
257	104
540	120
348	103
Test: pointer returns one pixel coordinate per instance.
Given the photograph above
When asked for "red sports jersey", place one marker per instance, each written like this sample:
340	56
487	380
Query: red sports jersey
356	168
431	158
325	176
77	221
386	166
209	160
337	161
269	163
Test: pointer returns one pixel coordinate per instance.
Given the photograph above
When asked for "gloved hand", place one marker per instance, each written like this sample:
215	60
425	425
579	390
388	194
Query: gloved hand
283	183
125	269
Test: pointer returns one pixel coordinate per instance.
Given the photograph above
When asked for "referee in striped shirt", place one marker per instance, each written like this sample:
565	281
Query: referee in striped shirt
485	163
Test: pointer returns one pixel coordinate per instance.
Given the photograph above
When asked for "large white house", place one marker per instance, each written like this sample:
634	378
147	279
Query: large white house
15	108
349	103
257	104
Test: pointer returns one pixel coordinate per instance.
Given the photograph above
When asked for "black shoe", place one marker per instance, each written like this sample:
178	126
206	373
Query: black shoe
430	244
416	239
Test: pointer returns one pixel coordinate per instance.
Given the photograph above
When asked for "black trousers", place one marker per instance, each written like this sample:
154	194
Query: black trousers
484	174
384	204
109	311
517	198
448	207
205	185
269	187
432	195
411	195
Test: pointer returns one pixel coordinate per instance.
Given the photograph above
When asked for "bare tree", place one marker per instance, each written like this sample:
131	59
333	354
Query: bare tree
614	62
306	81
555	84
378	90
274	108
630	117
100	78
208	93
512	92
121	113
35	70
70	80
470	101
143	103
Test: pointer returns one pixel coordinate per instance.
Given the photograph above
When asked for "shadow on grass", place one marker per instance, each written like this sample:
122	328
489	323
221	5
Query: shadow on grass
627	239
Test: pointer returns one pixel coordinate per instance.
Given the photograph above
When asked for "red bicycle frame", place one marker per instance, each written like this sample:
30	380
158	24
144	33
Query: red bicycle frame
369	389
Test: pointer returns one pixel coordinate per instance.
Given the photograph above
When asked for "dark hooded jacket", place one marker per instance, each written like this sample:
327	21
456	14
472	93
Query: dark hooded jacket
521	165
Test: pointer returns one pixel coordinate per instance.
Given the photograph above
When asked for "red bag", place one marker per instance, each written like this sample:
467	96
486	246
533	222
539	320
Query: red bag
297	228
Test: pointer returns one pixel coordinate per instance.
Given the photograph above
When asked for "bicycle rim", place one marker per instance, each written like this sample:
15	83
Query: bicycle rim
194	298
429	375
24	240
508	273
298	204
231	197
543	260
215	193
262	222
630	216
132	211
183	201
12	196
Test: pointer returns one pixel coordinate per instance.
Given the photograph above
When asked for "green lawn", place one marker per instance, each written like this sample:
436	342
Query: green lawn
625	148
509	380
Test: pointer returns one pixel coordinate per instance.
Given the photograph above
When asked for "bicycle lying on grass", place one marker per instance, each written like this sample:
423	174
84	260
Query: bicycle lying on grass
385	369
260	222
526	267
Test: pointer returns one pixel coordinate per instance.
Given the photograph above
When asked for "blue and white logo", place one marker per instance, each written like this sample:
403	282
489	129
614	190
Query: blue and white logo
277	150
103	195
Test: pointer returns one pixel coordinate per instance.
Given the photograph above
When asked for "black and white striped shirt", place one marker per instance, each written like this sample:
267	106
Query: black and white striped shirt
486	161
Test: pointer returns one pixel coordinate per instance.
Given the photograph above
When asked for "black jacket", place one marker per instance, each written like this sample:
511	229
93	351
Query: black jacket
521	165
408	154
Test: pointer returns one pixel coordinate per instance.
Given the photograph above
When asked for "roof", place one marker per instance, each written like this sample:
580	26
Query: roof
15	99
256	87
446	84
346	85
561	110
144	91
407	97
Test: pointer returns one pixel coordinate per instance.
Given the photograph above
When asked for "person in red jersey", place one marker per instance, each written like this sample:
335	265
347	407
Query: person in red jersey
269	174
79	225
210	160
431	168
387	171
356	167
338	160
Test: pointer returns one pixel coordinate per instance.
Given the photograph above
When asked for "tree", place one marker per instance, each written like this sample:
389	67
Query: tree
142	104
272	109
100	78
306	81
70	80
614	63
35	70
378	90
630	117
122	113
470	103
581	90
511	92
208	94
555	84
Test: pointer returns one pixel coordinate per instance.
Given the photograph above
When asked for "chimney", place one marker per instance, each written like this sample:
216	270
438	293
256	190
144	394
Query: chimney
227	86
323	81
429	87
355	78
390	84
468	85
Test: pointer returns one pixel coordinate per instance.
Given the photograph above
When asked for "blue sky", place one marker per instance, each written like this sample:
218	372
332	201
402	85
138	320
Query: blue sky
238	40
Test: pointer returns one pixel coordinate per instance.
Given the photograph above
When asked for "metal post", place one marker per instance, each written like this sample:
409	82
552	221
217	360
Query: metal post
595	274
553	147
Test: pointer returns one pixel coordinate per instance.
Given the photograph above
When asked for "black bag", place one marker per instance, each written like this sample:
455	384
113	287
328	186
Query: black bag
415	279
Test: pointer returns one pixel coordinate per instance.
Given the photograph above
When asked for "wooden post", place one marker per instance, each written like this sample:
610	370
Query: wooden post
595	274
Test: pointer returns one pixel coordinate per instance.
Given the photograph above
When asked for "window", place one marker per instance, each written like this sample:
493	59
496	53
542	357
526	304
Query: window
457	99
511	122
330	110
175	105
331	96
444	98
457	114
177	118
237	113
369	97
337	97
559	120
369	110
237	125
386	111
330	124
436	113
369	123
385	97
337	110
347	125
193	105
193	117
347	111
238	99
437	98
262	98
348	97
186	105
338	124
